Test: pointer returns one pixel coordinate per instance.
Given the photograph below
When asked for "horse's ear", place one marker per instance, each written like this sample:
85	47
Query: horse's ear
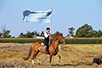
61	34
56	39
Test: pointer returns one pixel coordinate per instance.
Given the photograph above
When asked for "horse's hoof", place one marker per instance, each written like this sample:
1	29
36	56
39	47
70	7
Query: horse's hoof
50	65
39	63
33	64
57	63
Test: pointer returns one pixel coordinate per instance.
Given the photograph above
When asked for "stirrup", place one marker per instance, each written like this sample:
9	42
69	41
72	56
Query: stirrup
47	52
45	47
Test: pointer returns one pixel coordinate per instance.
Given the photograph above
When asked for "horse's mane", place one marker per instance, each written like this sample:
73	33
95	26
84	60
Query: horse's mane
53	39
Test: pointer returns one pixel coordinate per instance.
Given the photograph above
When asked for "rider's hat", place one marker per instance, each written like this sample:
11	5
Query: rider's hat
47	28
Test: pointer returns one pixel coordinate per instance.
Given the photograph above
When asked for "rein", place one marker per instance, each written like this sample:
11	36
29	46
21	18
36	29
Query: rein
60	38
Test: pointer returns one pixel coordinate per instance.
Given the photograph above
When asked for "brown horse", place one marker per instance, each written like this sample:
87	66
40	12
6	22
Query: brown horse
53	48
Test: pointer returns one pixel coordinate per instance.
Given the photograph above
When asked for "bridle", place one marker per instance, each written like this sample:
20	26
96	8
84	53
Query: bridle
61	40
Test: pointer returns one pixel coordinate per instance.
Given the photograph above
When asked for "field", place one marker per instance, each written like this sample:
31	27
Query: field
11	55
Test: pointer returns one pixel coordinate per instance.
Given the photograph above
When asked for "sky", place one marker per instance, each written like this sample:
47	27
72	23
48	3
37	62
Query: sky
65	14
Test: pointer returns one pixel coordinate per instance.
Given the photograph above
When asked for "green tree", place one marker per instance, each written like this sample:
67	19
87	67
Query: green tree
55	34
71	31
28	35
36	33
32	33
84	30
42	34
21	35
99	33
6	34
0	34
92	34
3	28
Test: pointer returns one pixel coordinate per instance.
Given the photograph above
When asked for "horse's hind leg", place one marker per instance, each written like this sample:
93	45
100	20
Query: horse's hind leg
37	60
59	58
34	56
50	60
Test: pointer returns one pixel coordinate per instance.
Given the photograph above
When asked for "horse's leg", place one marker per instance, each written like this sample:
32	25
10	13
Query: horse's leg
50	60
34	56
59	58
37	60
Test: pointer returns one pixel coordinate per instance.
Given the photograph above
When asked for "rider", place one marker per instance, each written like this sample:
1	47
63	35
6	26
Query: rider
46	40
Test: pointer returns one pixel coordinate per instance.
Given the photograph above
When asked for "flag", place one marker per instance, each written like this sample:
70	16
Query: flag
38	16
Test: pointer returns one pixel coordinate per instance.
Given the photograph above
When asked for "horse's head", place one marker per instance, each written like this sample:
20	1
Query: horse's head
61	38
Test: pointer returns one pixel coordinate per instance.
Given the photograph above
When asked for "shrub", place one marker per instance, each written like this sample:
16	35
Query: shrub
68	41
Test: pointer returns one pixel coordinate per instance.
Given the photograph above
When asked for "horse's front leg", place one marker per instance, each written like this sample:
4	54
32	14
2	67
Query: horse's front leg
59	58
50	60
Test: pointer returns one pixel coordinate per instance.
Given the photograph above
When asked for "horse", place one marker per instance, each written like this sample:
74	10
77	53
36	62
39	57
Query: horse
53	49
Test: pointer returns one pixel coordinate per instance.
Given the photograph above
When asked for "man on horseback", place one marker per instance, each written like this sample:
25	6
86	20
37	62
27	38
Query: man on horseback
47	39
37	47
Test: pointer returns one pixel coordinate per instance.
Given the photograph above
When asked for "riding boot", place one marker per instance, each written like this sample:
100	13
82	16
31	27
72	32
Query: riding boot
47	51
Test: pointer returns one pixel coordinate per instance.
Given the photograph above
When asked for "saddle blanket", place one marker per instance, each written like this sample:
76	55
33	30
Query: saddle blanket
42	43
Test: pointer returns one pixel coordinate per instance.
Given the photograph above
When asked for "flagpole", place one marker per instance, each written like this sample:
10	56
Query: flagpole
51	21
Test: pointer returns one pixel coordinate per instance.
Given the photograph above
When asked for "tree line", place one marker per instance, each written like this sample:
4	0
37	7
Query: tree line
83	31
4	33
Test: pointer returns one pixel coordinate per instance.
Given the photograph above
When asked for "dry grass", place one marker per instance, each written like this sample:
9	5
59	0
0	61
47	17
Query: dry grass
72	56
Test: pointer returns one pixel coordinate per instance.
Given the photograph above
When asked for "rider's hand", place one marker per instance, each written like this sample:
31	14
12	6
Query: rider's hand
49	33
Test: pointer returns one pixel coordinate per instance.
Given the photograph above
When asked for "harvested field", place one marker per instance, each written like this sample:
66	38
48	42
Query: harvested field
11	55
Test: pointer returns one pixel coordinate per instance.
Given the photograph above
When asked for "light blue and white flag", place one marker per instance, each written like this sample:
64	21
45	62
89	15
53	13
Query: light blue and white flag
38	16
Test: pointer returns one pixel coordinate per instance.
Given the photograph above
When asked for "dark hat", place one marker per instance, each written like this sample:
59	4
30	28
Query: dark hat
47	28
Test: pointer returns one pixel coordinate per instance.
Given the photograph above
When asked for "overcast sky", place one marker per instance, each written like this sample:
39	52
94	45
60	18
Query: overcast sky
66	14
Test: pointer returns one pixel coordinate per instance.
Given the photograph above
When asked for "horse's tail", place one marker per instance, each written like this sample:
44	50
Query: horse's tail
30	52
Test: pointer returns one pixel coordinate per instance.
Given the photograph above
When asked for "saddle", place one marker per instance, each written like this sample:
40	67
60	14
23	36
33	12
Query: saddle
43	45
45	48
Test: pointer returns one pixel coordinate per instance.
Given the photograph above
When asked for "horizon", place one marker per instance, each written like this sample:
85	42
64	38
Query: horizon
65	14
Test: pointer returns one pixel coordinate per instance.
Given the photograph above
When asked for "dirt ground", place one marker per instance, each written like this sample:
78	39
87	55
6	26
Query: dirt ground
11	56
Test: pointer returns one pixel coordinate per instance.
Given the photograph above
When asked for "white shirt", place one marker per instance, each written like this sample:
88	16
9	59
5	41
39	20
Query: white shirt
46	35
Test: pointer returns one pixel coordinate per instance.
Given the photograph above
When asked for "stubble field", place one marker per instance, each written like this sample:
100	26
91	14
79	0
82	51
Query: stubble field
11	56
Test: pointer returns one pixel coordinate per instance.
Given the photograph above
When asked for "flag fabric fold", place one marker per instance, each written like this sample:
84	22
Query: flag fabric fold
38	16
